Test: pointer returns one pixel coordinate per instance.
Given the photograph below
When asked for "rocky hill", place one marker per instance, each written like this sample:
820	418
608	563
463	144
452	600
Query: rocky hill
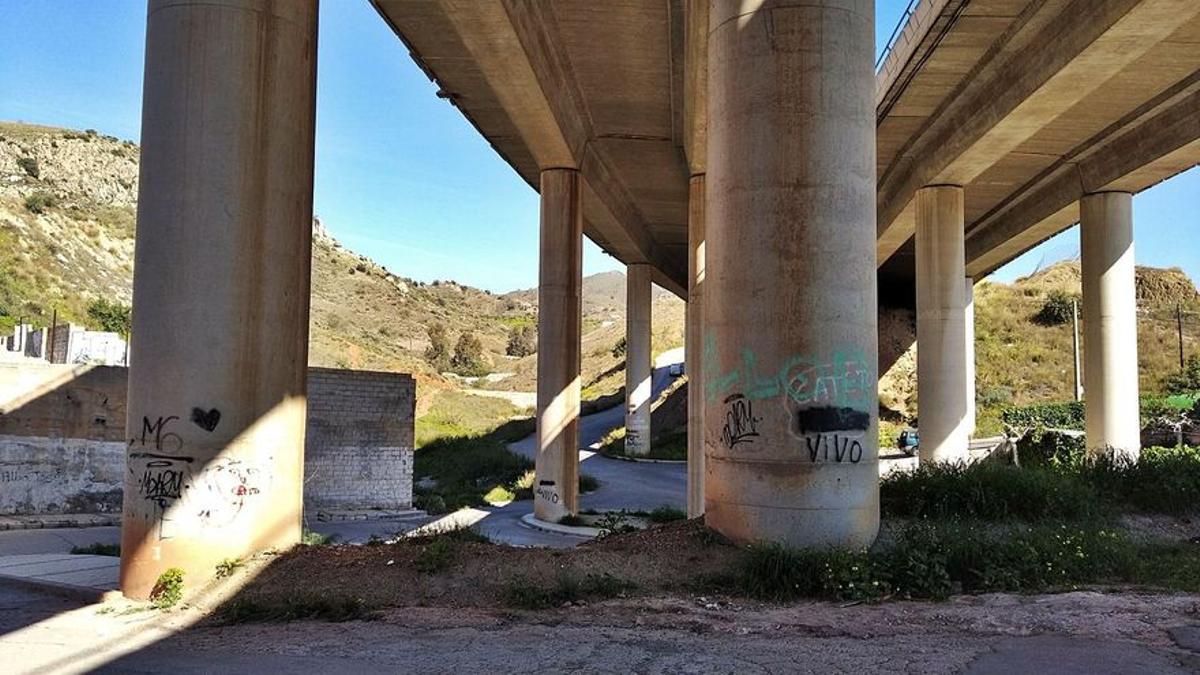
68	204
1023	354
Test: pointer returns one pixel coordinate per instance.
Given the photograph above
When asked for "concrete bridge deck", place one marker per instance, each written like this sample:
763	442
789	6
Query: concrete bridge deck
1027	104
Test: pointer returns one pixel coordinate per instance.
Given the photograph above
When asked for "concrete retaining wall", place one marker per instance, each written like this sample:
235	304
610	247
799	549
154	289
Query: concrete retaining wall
62	439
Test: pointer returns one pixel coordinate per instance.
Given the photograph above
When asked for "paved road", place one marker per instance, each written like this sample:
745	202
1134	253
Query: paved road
635	486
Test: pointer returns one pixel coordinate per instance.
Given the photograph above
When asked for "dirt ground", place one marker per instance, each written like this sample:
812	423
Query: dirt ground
1082	632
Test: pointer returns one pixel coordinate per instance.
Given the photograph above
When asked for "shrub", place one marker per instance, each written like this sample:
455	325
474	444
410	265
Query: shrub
110	316
987	491
522	341
618	350
30	166
1188	381
38	202
1066	415
1163	480
1046	447
168	589
1057	309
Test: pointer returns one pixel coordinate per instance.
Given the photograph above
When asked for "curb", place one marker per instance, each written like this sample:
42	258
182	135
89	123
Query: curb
70	591
578	531
56	522
639	460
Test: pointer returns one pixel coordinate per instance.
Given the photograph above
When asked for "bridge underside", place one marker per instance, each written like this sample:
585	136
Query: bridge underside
1026	104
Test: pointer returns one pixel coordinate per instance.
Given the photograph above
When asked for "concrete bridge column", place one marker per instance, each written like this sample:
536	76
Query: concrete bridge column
1110	369
969	324
942	353
790	343
560	281
216	404
694	347
638	367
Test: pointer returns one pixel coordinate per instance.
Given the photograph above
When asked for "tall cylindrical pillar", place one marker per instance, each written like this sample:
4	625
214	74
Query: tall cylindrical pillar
216	404
694	347
560	280
1110	365
941	325
638	367
969	345
790	343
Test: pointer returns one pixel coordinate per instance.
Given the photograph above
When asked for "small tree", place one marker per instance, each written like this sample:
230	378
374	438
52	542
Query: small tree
438	352
110	316
522	341
1188	381
468	356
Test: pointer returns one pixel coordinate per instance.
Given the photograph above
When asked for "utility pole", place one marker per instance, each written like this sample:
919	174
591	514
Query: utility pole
1179	326
50	335
1075	348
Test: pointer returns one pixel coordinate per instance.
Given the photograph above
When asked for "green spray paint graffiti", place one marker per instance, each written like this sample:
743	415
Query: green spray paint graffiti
845	378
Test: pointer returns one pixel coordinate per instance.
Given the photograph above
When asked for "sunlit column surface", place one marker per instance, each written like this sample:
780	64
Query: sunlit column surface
969	325
790	343
216	405
637	360
694	347
560	269
942	382
1110	357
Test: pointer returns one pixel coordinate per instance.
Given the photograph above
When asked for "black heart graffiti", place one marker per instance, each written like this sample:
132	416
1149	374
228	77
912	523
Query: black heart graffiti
206	420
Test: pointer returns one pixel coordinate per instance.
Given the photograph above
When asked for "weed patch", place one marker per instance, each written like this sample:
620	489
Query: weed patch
567	587
168	589
334	609
113	550
935	560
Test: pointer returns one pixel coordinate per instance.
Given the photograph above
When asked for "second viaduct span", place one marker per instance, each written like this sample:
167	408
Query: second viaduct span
744	154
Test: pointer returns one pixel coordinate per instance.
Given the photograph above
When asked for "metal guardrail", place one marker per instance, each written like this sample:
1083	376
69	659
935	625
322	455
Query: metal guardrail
887	49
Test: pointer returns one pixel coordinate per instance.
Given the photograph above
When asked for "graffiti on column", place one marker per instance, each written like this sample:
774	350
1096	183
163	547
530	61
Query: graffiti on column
635	441
206	419
741	426
176	487
161	476
223	490
547	491
828	399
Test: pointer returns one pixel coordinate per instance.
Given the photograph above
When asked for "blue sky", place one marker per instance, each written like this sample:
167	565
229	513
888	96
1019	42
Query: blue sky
401	176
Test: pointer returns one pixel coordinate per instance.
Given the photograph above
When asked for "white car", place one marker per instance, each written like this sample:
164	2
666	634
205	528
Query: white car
675	369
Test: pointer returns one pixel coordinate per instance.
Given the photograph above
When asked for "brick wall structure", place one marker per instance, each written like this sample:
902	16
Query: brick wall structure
63	441
359	447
